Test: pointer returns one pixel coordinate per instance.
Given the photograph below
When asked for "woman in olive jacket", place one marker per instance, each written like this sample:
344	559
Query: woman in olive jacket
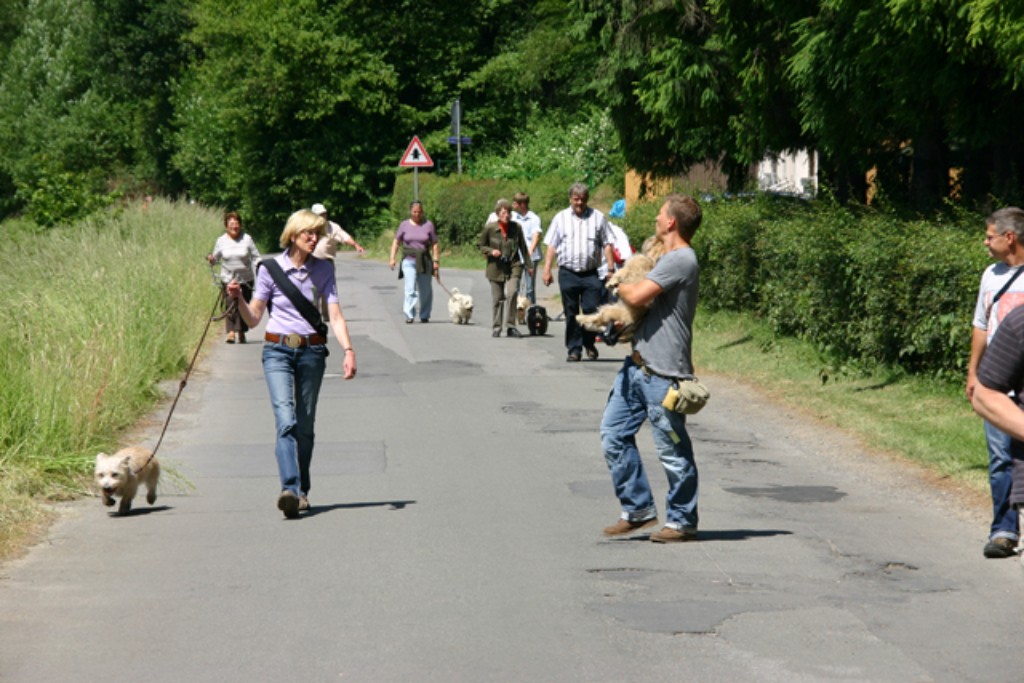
504	245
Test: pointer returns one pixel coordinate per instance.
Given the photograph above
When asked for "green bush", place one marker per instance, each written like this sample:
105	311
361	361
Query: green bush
584	147
864	286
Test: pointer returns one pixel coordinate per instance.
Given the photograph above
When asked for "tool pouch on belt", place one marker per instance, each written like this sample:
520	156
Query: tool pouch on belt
686	396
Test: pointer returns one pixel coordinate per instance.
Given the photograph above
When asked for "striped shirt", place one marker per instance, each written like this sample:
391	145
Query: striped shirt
578	241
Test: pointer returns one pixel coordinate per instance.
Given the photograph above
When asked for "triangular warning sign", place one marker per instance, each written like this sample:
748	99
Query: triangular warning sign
416	155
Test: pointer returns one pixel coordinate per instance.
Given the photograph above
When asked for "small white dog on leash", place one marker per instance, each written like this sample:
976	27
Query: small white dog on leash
460	307
119	476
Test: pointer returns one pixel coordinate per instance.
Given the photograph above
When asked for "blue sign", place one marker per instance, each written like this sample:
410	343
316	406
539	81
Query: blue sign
452	140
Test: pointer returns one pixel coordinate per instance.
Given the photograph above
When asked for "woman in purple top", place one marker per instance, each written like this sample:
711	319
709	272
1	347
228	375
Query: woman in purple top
294	353
420	261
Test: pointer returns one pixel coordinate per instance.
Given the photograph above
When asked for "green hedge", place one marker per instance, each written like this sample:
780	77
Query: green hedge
864	286
458	207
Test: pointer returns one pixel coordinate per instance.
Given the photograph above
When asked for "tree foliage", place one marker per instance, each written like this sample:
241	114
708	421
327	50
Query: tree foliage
83	95
911	88
281	108
266	106
291	103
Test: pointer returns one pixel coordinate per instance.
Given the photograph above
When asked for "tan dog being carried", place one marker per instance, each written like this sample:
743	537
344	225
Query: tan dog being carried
617	321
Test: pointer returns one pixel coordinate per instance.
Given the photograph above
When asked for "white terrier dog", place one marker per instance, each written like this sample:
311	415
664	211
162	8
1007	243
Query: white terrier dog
118	475
460	307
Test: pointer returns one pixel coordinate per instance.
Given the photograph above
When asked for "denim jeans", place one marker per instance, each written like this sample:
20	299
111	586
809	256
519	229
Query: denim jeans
1000	479
636	396
293	378
530	282
417	289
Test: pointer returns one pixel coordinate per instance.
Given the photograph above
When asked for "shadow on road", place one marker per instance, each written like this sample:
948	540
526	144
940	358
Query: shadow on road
135	512
389	504
722	535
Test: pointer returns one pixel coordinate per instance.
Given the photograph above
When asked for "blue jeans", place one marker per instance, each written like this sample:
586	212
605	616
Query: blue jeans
417	289
293	378
530	283
1000	479
634	397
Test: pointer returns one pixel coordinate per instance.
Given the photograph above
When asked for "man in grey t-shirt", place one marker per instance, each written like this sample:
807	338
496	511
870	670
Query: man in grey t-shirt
661	355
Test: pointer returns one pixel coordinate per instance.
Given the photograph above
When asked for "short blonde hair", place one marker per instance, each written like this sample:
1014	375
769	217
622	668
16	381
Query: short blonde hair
686	212
301	221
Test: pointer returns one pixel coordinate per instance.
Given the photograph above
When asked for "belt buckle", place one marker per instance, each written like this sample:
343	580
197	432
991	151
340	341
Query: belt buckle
292	341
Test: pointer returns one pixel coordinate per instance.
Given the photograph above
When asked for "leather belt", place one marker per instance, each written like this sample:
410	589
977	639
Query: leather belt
295	341
639	361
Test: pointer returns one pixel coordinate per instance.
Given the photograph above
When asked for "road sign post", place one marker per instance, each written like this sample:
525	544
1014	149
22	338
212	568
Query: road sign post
457	130
416	157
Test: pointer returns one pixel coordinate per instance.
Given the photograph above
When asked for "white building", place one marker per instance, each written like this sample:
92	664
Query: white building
794	173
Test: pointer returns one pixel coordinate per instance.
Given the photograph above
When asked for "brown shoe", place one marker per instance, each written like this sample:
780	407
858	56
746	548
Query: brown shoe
241	337
288	503
231	338
672	535
624	526
303	503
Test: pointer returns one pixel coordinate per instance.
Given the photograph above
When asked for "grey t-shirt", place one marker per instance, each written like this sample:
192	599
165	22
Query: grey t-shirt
666	332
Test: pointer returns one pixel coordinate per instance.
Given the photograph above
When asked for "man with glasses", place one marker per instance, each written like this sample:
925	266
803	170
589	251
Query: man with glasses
1000	292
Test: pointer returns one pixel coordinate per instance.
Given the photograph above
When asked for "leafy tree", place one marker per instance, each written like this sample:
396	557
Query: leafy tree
757	40
582	146
12	14
285	106
911	88
540	67
925	97
313	101
57	131
668	82
84	95
138	54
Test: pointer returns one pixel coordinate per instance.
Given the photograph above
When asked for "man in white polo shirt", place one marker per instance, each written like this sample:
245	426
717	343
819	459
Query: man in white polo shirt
577	236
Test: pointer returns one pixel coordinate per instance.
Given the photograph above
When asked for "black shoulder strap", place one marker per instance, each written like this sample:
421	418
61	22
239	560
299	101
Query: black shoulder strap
304	305
1006	286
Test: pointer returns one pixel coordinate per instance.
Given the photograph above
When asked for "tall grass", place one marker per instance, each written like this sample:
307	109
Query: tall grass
95	315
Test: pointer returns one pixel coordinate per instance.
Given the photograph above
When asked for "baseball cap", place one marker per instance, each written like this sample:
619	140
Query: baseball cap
319	209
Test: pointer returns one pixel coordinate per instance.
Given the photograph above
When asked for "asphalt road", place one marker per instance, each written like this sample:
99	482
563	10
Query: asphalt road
459	494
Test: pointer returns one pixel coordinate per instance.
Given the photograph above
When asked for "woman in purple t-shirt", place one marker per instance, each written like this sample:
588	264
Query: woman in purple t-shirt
420	261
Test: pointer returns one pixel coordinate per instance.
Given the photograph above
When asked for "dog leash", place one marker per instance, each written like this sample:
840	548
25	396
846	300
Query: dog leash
441	283
184	380
230	305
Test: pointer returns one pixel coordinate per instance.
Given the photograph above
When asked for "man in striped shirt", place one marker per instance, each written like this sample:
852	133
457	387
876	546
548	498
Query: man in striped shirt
577	236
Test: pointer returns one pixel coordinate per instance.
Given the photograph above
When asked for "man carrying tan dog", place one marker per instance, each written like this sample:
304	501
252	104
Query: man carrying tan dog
661	357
